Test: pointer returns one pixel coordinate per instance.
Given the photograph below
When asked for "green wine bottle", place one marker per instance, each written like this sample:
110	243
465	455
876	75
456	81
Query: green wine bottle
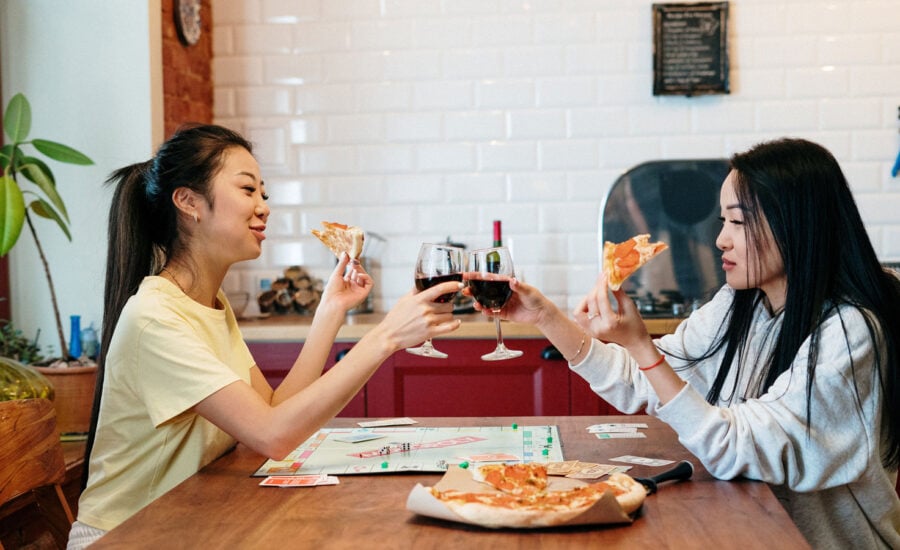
493	258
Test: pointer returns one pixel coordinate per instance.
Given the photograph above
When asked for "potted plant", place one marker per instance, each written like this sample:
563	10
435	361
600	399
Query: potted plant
28	177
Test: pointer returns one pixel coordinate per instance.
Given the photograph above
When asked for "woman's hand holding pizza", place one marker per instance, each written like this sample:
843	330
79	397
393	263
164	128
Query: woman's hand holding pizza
622	325
347	286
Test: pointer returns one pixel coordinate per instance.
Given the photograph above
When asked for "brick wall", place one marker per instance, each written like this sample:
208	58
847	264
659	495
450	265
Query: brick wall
187	72
420	119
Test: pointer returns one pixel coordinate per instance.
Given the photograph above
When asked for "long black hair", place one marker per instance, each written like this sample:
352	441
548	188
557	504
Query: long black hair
143	223
795	190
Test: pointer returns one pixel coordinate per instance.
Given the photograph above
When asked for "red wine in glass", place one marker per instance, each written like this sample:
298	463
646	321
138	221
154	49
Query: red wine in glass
490	270
491	294
437	263
423	283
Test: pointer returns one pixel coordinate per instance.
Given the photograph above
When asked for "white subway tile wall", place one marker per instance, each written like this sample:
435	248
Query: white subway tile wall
421	120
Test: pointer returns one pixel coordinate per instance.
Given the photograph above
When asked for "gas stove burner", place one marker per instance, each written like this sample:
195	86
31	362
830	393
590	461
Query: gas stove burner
671	304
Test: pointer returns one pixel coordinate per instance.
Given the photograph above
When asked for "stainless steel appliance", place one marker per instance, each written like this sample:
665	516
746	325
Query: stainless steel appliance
677	202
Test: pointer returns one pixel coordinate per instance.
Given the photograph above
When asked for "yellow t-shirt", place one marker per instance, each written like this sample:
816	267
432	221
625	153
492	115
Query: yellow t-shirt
167	354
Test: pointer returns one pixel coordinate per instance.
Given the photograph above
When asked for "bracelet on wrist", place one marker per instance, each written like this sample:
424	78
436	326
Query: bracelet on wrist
658	362
580	347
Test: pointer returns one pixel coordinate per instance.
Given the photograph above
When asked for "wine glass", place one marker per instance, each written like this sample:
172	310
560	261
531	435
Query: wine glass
436	264
490	270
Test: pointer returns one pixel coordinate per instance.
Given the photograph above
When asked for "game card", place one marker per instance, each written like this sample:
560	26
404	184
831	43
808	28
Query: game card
617	435
493	457
588	470
311	480
561	468
405	421
616	427
358	437
643	461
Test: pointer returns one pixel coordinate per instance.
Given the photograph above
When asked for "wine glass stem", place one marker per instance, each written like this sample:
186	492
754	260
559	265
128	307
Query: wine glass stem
499	332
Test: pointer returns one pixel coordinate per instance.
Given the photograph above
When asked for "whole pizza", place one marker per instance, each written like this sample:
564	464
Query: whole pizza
519	495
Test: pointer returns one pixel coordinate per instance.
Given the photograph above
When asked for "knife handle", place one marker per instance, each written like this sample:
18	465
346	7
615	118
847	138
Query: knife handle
684	470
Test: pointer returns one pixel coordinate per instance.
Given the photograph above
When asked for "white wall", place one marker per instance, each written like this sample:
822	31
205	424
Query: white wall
85	67
420	119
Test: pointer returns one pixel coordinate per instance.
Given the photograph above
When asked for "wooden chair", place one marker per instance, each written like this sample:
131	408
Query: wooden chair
31	456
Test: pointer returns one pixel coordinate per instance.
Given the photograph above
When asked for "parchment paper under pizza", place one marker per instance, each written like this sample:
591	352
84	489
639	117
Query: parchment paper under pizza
621	260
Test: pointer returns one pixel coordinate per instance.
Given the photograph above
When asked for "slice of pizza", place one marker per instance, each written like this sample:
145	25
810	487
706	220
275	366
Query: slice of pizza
621	260
339	237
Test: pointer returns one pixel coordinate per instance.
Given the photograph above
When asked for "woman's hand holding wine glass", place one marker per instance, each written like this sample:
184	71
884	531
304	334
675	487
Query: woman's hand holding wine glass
490	270
437	263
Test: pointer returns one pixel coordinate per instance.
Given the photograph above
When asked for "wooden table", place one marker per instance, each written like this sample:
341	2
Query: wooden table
223	507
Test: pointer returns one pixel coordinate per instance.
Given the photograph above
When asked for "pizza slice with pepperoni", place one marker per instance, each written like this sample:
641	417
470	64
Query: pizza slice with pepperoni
621	260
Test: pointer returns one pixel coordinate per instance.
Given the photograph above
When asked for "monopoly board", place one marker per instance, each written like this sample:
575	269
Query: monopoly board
402	448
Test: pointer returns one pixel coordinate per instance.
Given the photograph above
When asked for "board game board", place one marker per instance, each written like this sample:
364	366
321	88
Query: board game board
402	448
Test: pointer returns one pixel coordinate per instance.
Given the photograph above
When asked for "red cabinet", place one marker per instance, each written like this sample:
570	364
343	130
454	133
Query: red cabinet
464	385
275	360
538	383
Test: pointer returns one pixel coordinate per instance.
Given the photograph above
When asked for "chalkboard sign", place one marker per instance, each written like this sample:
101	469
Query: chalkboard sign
690	48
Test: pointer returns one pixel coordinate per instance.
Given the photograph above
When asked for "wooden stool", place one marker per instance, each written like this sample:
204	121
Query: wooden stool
31	456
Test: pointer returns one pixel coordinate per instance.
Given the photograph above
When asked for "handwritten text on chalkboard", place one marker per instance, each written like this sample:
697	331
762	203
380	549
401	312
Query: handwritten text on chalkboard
690	48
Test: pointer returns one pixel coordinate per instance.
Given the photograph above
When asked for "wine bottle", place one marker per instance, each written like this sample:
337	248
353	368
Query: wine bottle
493	259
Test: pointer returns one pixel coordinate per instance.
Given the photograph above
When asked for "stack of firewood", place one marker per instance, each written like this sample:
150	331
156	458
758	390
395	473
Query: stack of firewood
296	292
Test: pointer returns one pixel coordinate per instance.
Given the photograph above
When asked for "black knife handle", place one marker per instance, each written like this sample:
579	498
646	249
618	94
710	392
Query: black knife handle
684	470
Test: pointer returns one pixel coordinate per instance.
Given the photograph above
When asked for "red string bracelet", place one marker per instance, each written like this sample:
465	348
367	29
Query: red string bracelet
654	365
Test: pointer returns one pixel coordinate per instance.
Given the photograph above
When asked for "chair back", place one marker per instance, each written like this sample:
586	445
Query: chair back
31	455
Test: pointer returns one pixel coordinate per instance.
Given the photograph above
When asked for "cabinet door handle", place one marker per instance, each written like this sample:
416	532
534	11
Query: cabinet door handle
550	353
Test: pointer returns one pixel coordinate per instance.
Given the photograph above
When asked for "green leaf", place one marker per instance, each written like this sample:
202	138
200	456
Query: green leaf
60	152
43	209
6	154
40	174
12	210
26	168
17	119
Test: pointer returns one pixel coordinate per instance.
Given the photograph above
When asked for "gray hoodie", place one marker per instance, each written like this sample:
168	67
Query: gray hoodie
829	478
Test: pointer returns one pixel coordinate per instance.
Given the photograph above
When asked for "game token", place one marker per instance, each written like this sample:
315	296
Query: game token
463	465
384	465
515	426
545	452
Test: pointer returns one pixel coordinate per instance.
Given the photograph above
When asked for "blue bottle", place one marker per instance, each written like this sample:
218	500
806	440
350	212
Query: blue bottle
75	337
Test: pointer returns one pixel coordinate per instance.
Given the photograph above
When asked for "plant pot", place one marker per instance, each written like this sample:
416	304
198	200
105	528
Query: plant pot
19	381
74	388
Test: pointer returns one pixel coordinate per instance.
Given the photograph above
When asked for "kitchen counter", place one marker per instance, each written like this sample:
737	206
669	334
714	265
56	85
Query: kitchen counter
295	328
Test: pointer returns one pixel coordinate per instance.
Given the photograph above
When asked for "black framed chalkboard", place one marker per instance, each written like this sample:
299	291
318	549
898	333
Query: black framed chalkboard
690	49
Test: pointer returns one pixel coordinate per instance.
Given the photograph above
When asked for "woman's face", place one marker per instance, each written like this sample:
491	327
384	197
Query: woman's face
743	267
234	226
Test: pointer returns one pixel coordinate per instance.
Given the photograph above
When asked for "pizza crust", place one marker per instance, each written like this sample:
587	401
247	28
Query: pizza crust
490	516
634	492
